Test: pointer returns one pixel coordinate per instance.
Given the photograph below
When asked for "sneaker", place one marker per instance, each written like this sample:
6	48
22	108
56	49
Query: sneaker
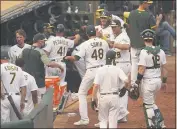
82	122
97	124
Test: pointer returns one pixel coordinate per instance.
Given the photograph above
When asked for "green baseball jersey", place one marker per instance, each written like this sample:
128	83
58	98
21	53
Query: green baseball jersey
139	21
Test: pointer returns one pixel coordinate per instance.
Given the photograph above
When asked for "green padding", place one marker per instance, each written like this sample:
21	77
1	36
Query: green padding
26	123
48	97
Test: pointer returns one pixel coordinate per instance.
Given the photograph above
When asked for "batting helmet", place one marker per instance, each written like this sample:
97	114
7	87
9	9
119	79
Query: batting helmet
148	34
60	28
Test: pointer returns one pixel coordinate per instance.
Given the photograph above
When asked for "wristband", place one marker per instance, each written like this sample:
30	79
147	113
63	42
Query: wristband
164	79
139	77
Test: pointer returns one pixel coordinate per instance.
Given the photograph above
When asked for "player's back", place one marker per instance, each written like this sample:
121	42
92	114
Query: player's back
95	49
58	46
110	78
12	77
31	84
152	62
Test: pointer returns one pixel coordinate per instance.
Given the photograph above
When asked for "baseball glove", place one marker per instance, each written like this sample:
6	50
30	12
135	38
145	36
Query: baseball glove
134	92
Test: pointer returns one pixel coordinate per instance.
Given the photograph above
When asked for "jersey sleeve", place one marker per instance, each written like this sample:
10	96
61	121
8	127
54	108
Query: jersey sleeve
163	58
48	46
125	39
44	57
123	77
152	21
82	51
22	80
142	58
33	85
70	43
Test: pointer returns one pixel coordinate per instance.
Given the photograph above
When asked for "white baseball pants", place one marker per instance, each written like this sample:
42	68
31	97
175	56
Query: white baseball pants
108	110
126	67
85	85
134	62
149	87
7	112
28	107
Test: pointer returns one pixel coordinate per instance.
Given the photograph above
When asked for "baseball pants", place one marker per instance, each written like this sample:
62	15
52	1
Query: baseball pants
134	62
149	87
85	85
28	107
41	92
56	72
126	67
108	110
7	112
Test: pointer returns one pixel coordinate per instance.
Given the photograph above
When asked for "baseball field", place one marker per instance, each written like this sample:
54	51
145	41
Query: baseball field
165	101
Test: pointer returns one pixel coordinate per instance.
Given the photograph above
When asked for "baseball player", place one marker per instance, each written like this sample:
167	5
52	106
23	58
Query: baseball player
48	30
139	20
31	99
108	80
152	61
12	80
93	51
17	49
121	46
80	64
56	48
104	30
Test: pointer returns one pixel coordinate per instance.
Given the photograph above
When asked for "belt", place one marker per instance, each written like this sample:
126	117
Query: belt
122	61
12	93
153	67
113	93
95	67
151	77
26	101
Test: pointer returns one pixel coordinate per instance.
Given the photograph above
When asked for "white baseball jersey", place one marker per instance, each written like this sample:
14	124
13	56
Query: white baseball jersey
12	77
80	64
149	60
31	85
108	78
122	55
58	46
93	51
15	51
107	32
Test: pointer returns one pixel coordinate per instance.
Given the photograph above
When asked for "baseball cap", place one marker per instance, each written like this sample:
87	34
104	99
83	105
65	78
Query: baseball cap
110	55
47	25
39	36
146	1
105	14
90	30
60	28
115	23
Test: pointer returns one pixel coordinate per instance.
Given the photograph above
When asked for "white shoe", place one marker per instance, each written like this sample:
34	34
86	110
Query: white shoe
97	124
82	122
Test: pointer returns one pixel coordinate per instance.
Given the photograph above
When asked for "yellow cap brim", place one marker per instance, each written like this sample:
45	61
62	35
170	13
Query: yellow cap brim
103	16
99	10
150	2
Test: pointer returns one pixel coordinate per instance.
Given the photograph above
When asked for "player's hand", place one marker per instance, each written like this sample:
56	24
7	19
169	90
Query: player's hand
159	17
99	33
22	106
65	59
61	68
164	86
93	105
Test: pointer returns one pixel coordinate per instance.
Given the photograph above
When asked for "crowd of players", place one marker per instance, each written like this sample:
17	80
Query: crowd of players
110	57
